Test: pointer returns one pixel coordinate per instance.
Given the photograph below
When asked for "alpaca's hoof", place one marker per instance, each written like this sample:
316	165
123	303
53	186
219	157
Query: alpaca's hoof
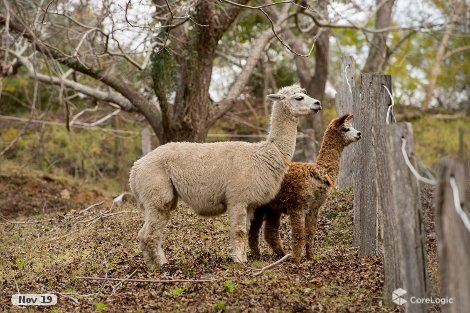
239	258
295	259
154	259
156	266
310	256
280	253
255	253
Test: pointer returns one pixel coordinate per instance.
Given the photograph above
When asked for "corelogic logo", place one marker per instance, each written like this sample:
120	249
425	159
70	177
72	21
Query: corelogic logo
397	296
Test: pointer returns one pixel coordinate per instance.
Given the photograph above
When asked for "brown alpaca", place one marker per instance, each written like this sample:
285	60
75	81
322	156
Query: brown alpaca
303	191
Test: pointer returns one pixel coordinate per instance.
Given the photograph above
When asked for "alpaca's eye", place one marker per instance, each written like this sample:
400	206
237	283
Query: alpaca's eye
299	98
345	129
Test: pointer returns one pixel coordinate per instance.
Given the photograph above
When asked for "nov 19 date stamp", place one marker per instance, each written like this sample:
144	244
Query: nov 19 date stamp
34	299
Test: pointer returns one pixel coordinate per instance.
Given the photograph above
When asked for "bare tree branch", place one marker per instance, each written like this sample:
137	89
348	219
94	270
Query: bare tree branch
376	56
457	50
259	46
325	23
440	54
111	96
149	109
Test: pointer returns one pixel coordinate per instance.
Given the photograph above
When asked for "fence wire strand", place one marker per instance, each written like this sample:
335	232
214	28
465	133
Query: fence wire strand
346	76
457	204
390	107
412	169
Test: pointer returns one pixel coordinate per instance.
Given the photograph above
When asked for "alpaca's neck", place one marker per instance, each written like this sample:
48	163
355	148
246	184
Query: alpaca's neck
329	157
283	130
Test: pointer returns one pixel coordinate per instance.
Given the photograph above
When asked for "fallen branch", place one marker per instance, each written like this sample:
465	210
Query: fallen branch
149	280
123	281
102	216
90	207
287	256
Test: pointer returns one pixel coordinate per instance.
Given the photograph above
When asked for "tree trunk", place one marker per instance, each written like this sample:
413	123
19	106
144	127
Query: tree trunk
436	69
316	87
378	45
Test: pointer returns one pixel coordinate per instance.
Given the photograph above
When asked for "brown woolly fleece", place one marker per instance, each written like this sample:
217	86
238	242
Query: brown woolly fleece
303	191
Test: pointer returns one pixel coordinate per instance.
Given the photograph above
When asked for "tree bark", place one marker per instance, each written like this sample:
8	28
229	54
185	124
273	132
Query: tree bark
316	87
378	45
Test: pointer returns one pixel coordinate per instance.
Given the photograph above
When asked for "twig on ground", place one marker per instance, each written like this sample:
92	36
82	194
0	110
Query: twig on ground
68	296
90	207
107	215
287	256
149	280
123	281
16	285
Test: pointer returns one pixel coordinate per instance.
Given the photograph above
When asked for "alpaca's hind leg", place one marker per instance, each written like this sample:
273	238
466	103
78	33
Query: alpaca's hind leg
297	220
310	230
237	217
151	237
157	211
271	231
253	235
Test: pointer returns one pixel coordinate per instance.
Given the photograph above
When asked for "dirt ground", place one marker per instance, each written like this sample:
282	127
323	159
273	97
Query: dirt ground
26	196
52	244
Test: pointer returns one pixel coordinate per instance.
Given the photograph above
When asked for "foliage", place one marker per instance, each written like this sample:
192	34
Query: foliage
100	306
228	287
163	71
85	154
220	305
176	292
436	138
20	263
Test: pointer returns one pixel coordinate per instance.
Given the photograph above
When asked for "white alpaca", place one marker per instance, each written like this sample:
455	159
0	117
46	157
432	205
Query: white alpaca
214	178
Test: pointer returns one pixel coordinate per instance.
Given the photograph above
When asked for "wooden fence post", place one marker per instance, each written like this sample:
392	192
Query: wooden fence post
370	107
146	142
453	237
387	207
401	238
344	104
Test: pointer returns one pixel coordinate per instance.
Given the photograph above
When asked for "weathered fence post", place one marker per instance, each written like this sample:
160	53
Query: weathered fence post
344	104
402	235
387	208
370	108
453	236
146	142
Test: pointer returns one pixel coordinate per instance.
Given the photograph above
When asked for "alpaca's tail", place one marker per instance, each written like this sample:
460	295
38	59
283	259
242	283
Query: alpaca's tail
132	183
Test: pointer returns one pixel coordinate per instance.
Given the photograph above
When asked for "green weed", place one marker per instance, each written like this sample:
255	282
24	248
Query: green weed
176	292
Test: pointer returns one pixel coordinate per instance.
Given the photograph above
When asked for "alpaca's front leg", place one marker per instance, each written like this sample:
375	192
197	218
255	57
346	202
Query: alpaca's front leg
310	229
297	221
237	214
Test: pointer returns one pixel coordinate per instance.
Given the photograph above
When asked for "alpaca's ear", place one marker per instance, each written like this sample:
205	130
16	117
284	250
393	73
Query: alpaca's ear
340	120
275	97
350	117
